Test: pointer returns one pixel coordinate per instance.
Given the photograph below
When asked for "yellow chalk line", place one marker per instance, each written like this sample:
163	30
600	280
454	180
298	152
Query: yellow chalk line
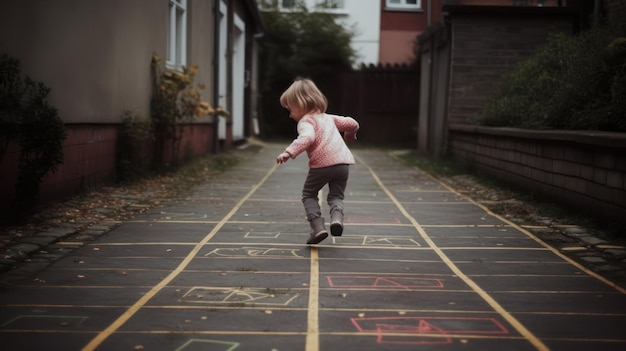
312	332
482	293
96	341
541	242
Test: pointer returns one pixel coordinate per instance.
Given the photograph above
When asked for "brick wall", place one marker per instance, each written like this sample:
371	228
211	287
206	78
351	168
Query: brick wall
615	8
90	161
487	42
583	170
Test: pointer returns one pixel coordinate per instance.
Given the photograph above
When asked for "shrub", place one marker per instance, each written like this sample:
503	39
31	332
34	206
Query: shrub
26	116
573	82
135	136
175	100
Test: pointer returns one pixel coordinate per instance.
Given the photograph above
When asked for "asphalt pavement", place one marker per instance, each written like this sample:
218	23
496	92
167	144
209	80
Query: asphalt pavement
418	267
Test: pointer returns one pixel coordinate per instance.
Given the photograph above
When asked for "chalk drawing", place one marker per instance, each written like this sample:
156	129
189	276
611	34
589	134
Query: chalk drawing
257	296
262	235
380	241
423	334
374	282
426	330
215	345
254	252
396	241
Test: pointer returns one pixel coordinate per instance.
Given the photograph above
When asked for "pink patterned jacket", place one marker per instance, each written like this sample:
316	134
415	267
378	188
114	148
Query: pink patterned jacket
319	135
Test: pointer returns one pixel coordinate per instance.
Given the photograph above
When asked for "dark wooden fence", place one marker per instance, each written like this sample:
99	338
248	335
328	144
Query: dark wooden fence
384	100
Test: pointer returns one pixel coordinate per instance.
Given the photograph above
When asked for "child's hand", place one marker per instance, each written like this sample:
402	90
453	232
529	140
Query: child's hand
349	137
282	158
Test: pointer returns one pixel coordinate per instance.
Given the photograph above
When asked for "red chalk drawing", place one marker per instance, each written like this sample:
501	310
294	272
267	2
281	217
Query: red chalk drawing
424	333
373	282
426	330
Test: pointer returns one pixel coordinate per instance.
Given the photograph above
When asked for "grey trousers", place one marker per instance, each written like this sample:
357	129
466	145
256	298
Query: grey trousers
336	177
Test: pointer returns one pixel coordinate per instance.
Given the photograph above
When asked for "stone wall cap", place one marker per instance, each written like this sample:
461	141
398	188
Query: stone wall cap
590	137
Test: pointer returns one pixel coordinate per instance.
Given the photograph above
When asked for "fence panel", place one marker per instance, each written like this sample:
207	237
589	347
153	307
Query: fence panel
385	101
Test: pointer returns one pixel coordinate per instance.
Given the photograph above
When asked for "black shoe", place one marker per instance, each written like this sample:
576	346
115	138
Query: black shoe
336	229
316	238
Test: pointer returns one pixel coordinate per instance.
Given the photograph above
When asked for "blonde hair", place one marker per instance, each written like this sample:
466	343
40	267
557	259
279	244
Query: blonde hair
305	95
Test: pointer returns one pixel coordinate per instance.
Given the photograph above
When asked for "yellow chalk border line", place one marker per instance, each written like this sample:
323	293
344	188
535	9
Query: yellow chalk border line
103	335
475	287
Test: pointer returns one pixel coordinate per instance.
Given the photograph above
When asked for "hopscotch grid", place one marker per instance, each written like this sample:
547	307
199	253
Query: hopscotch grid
521	329
142	301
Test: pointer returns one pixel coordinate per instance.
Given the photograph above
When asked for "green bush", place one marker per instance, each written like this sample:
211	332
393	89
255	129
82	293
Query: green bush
572	83
27	118
135	135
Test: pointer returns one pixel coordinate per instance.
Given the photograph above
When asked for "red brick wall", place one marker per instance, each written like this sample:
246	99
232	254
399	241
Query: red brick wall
90	161
196	139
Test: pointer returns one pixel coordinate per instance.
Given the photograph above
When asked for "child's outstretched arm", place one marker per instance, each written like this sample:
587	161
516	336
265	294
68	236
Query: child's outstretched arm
282	158
306	137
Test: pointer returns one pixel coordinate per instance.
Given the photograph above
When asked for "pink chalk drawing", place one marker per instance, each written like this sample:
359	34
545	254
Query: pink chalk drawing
374	282
423	333
426	330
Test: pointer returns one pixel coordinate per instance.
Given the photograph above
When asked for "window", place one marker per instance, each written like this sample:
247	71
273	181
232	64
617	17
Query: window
403	4
177	33
288	4
333	4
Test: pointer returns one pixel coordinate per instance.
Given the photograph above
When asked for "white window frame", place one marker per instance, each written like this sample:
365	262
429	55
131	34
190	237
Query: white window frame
402	5
177	34
332	6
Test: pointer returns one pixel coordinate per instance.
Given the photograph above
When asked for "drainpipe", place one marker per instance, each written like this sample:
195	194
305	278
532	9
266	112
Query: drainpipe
429	8
216	73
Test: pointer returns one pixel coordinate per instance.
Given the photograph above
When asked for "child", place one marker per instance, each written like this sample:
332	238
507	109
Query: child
329	157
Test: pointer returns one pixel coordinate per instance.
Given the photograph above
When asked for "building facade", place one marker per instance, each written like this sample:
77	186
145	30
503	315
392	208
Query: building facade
401	22
362	17
96	56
